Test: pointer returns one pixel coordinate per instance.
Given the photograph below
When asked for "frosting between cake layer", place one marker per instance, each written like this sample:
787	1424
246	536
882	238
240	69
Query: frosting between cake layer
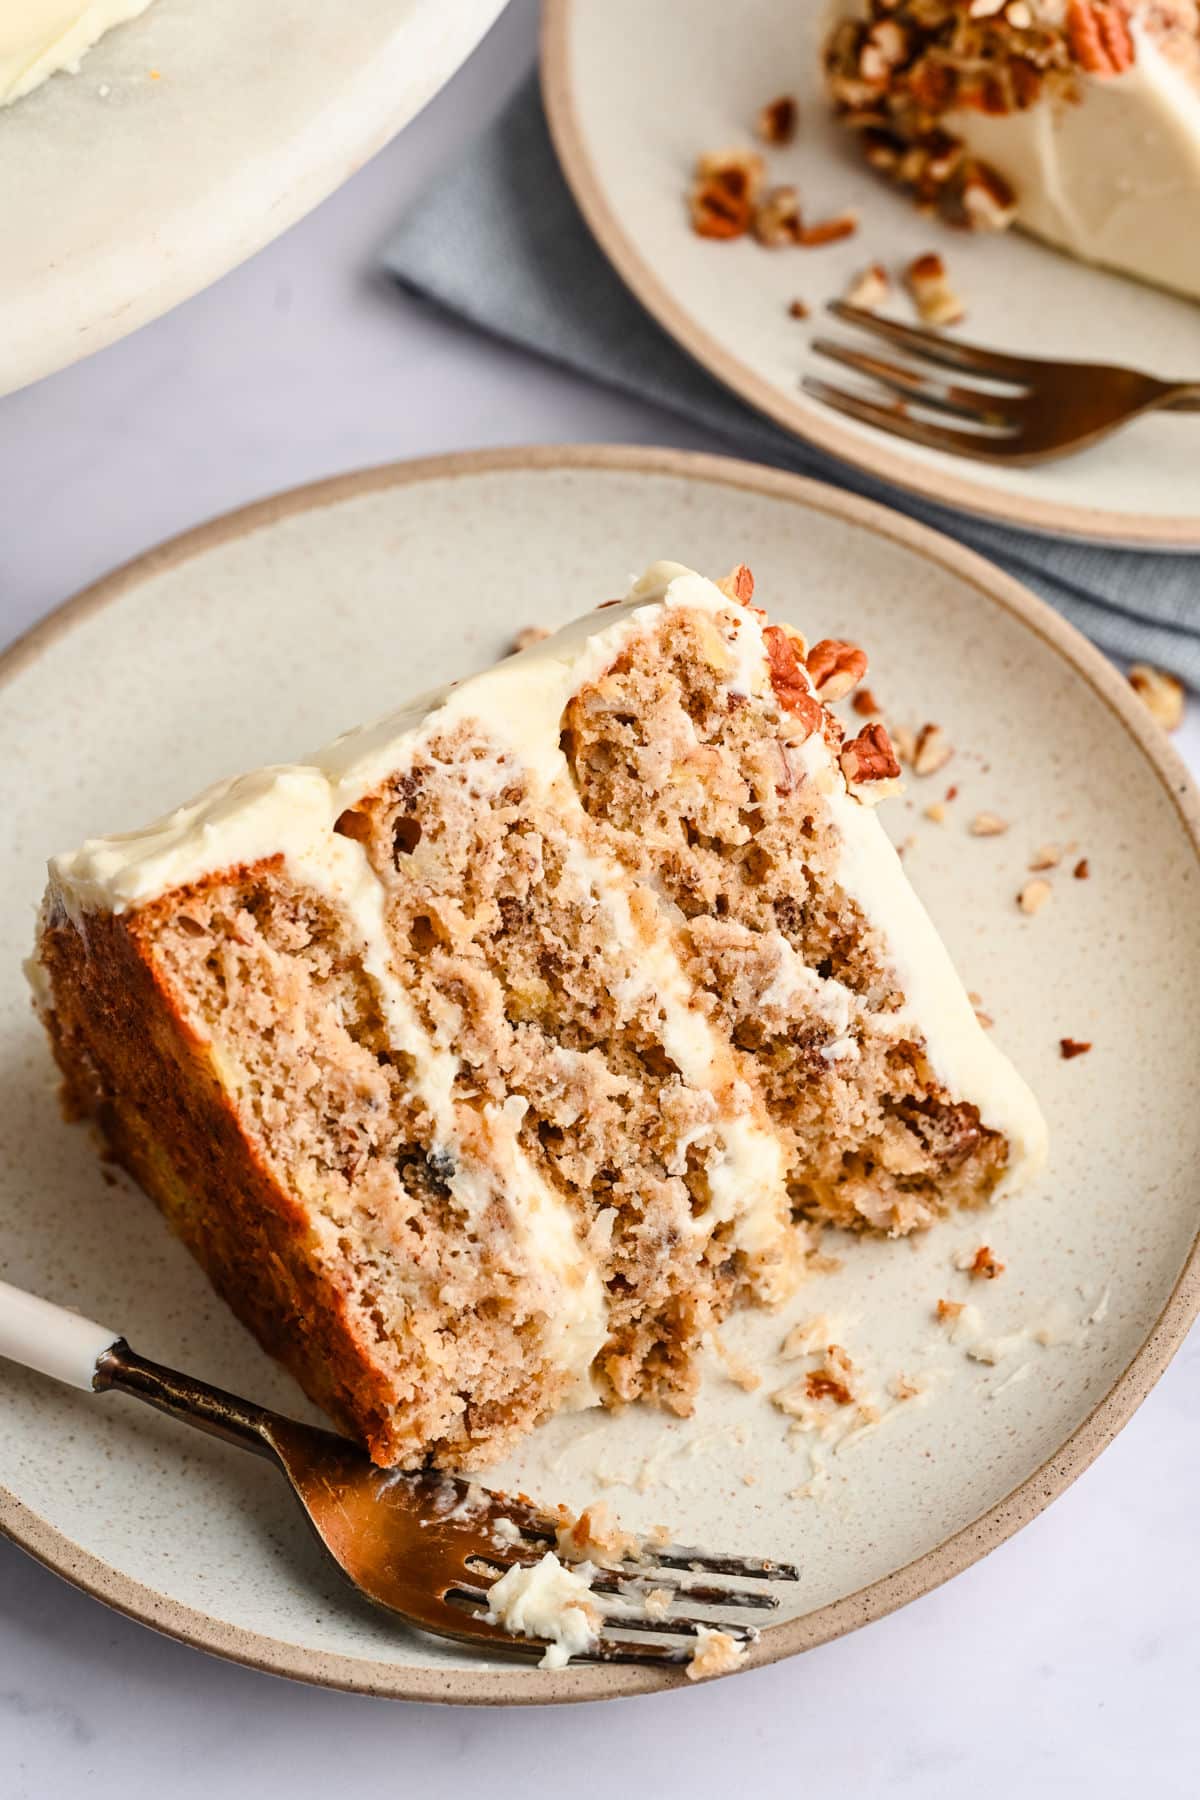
40	37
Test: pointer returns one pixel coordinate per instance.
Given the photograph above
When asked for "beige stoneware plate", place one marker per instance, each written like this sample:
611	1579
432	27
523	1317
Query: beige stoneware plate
189	138
258	636
635	93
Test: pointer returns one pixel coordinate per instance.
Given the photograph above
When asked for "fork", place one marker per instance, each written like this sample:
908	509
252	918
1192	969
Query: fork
1046	409
424	1544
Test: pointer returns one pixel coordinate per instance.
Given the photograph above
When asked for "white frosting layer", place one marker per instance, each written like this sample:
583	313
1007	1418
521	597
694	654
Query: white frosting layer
39	37
1114	178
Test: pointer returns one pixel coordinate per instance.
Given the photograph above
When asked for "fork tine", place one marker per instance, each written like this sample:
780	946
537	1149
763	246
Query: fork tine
959	402
618	1582
895	420
678	1625
629	1578
703	1562
939	349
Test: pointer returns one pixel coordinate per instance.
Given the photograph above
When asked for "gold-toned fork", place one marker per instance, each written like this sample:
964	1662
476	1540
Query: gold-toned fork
424	1545
1030	410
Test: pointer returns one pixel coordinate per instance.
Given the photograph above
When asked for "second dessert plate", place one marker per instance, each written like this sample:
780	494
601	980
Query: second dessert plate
258	636
636	93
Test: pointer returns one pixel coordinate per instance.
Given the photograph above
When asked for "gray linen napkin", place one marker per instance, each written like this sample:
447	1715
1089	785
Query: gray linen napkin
500	242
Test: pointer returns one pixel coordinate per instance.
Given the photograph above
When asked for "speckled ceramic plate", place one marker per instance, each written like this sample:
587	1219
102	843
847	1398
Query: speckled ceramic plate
635	93
256	637
190	137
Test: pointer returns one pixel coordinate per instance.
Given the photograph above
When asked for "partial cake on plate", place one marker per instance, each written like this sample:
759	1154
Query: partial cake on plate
487	1059
1076	119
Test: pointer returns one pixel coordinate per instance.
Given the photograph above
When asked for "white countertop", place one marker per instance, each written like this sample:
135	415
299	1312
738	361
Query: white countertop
1065	1664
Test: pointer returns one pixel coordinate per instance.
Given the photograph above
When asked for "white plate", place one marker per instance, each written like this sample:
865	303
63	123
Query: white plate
258	636
635	93
190	137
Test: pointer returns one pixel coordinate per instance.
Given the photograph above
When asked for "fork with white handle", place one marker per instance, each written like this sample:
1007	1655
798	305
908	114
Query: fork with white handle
424	1545
1031	410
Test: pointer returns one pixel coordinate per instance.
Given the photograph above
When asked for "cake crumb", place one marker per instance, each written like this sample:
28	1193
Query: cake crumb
1071	1047
778	120
1048	856
869	289
595	1537
807	1337
736	1367
937	812
1033	896
657	1603
963	1322
714	1653
799	309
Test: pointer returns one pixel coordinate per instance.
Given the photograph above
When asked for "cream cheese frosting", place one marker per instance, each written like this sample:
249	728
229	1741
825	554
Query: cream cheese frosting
1114	177
1106	163
40	37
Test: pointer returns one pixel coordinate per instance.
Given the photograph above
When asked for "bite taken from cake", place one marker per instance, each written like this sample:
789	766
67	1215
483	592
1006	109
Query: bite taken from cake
489	1057
1078	120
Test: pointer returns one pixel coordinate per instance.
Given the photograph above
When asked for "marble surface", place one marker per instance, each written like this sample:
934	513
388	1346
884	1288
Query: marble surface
1062	1665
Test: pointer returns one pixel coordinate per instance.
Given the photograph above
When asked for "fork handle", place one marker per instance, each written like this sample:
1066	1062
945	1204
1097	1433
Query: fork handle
1186	400
50	1339
42	1336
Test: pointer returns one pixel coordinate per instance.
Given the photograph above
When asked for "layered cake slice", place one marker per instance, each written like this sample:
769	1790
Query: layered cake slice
487	1059
1076	119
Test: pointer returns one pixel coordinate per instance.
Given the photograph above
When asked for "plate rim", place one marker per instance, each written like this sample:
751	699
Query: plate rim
807	422
517	1685
297	192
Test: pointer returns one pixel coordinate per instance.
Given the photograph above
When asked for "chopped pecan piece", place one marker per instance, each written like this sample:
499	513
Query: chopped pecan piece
1073	1047
828	231
984	1267
988	202
778	119
724	193
777	218
1099	36
932	750
1048	857
865	703
798	309
835	667
869	288
738	585
929	285
1082	869
987	824
789	679
1160	693
869	757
